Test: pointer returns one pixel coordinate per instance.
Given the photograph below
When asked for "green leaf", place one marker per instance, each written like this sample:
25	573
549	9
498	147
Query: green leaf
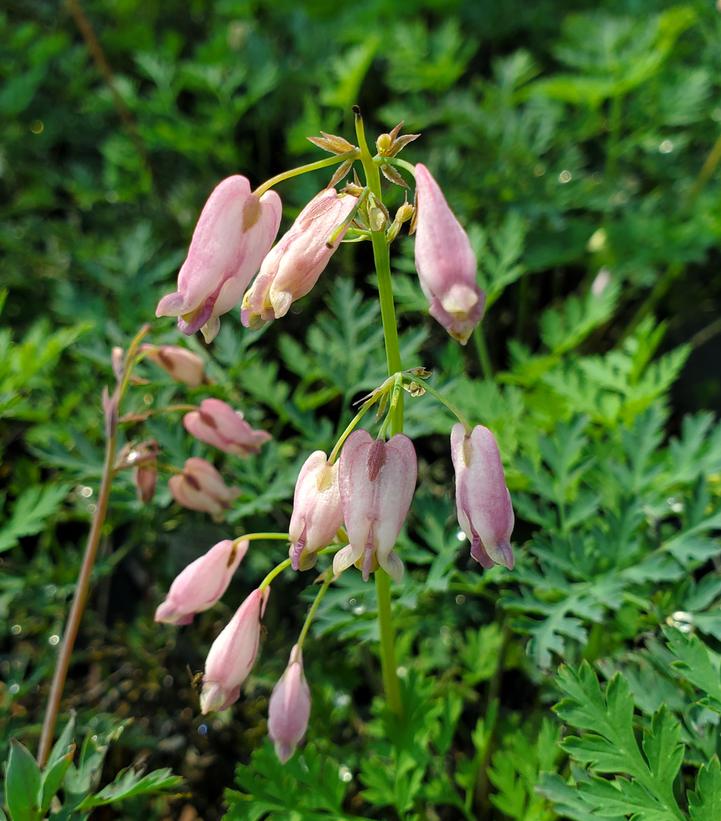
53	777
60	748
307	786
61	758
130	783
704	803
643	781
695	663
31	511
22	784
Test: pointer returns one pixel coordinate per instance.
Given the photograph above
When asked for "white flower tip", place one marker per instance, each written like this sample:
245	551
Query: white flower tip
393	566
213	698
284	751
281	302
210	329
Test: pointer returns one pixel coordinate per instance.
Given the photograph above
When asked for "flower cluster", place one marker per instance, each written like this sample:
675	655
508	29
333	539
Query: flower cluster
352	503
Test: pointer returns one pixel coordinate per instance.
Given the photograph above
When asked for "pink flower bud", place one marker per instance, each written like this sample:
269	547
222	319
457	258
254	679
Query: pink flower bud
445	261
377	480
293	266
201	487
232	655
217	424
317	512
233	234
483	502
289	708
200	585
146	478
182	364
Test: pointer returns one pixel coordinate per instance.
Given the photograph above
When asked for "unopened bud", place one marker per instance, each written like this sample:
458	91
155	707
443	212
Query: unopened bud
146	478
404	213
383	143
378	216
116	358
392	232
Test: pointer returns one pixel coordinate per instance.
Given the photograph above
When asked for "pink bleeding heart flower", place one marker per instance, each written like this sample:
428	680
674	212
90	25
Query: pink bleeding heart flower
234	232
289	708
317	512
201	487
182	364
201	584
445	261
483	502
232	655
294	265
217	424
377	480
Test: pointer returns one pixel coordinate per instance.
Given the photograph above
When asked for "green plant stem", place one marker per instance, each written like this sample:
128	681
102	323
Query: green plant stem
365	407
276	571
82	587
304	169
381	257
339	229
254	537
142	416
451	407
311	613
479	339
285	564
399	163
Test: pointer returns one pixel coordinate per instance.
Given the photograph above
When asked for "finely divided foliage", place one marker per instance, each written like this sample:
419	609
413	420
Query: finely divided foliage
565	187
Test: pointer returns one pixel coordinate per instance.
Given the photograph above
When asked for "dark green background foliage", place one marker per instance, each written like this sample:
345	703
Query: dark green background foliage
576	143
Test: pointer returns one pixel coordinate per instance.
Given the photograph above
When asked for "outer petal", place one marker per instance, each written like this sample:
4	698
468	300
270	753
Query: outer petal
201	487
377	480
397	484
289	708
357	491
217	424
199	585
180	363
232	655
234	232
293	266
445	261
482	499
317	512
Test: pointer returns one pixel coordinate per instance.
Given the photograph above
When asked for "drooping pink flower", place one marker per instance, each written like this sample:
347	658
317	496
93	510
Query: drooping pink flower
201	487
217	424
317	512
294	265
201	584
234	232
377	480
180	363
483	502
445	261
289	707
232	655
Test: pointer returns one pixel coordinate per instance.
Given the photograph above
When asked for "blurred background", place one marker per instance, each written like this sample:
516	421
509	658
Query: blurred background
579	141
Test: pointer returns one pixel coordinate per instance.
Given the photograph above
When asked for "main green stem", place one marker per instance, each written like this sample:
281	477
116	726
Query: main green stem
381	256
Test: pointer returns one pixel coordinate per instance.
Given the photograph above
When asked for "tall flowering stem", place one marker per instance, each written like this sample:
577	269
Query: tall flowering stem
381	257
82	588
